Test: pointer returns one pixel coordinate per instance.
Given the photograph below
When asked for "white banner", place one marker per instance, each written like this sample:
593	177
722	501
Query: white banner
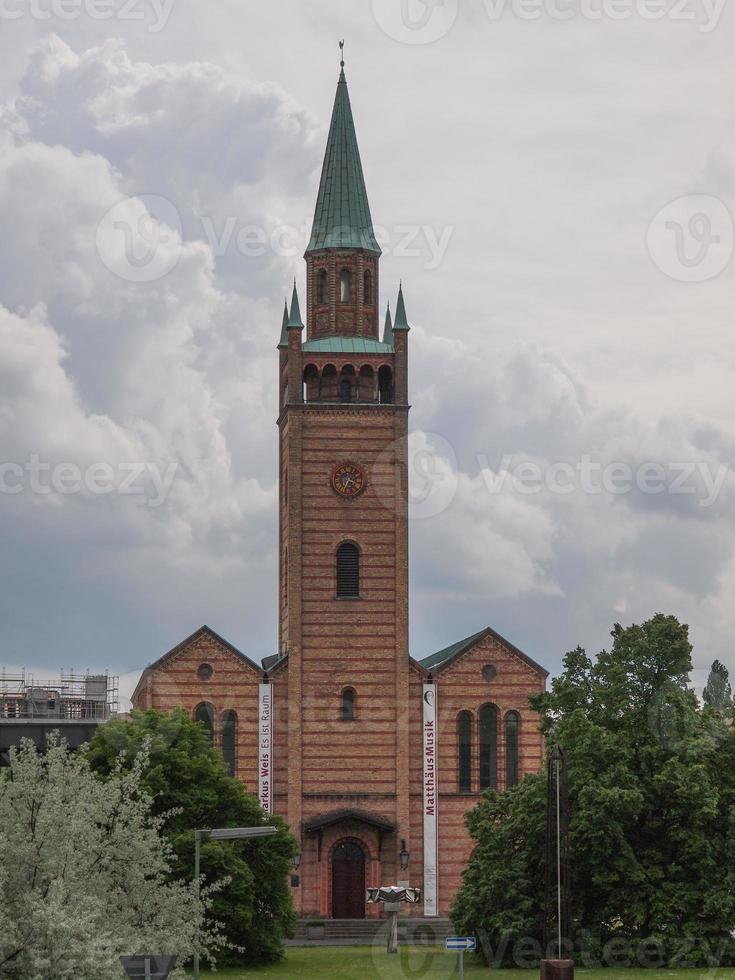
265	746
431	793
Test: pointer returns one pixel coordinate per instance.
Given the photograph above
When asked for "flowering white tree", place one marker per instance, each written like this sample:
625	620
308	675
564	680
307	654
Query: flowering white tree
84	872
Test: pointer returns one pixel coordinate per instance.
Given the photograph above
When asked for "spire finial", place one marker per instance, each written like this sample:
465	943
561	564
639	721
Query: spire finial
341	54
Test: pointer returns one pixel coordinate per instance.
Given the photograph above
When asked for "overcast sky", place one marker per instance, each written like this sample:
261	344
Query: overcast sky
553	181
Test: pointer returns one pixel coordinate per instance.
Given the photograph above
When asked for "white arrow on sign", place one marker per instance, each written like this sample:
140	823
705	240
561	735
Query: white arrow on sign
467	944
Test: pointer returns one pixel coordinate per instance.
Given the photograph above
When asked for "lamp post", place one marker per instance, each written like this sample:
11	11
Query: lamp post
404	856
223	833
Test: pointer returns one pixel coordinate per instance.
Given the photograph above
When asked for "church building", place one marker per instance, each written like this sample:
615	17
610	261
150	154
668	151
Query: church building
371	755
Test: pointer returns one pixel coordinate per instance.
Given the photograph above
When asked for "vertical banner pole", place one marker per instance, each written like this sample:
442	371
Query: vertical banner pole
431	796
265	746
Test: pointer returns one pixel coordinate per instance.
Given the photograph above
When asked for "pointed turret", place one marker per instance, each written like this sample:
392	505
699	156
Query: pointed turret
294	320
388	329
401	321
283	342
342	217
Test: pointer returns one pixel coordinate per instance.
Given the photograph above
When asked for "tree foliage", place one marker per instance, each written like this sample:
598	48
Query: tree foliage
652	830
85	872
717	693
188	776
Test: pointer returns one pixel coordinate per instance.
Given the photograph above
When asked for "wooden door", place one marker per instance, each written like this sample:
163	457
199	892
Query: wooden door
348	881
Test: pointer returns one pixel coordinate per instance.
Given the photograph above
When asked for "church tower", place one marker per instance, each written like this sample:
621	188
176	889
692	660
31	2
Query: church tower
343	602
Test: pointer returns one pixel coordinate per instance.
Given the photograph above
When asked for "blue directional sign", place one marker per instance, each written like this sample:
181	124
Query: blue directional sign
464	944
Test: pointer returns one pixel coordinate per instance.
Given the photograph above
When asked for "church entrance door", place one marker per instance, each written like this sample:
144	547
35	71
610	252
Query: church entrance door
348	881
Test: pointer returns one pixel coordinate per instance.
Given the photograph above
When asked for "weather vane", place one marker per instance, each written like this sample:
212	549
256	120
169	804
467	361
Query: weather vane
342	53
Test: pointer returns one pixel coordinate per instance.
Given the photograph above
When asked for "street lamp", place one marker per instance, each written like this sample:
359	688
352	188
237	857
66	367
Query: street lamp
296	861
223	833
404	856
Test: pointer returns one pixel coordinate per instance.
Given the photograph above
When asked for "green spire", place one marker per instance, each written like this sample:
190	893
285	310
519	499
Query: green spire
294	320
388	329
283	342
401	321
342	217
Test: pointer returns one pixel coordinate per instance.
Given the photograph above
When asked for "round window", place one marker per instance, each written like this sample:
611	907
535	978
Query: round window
489	672
204	672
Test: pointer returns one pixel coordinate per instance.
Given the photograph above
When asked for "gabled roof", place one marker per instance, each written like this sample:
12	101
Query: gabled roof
202	631
274	663
338	816
347	345
342	217
442	658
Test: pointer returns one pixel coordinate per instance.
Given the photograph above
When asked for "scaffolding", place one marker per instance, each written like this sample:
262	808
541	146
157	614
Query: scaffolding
70	696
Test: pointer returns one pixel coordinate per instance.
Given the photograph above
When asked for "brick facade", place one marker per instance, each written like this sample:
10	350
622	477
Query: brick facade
359	780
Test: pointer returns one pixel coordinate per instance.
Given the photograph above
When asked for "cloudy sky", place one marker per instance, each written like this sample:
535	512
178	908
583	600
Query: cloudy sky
553	181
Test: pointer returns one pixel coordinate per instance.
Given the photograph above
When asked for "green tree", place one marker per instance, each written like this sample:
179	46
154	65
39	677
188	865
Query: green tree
85	872
187	775
652	795
717	693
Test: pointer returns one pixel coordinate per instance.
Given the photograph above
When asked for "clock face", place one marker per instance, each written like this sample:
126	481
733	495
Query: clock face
348	479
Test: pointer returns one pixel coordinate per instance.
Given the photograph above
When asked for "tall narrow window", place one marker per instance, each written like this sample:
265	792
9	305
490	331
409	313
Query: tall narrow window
348	571
204	714
464	751
345	286
229	736
345	389
367	288
512	726
347	711
488	747
385	385
321	287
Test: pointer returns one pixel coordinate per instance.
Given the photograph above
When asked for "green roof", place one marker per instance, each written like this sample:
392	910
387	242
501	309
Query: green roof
451	651
401	322
443	657
294	320
342	217
388	329
283	342
347	345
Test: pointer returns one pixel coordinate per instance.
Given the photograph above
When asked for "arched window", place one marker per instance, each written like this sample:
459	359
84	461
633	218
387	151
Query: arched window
464	751
204	714
321	287
348	571
345	286
385	385
311	383
367	288
349	699
229	736
345	389
488	747
347	383
512	726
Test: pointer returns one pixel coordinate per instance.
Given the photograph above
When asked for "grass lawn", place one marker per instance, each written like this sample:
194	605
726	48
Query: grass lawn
368	963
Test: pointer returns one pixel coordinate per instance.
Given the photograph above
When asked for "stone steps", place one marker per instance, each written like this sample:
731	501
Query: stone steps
363	932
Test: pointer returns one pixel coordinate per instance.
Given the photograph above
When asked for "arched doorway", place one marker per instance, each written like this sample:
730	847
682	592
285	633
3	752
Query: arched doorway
348	881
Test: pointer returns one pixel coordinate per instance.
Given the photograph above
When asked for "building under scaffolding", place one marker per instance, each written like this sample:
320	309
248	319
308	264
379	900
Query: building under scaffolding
73	704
